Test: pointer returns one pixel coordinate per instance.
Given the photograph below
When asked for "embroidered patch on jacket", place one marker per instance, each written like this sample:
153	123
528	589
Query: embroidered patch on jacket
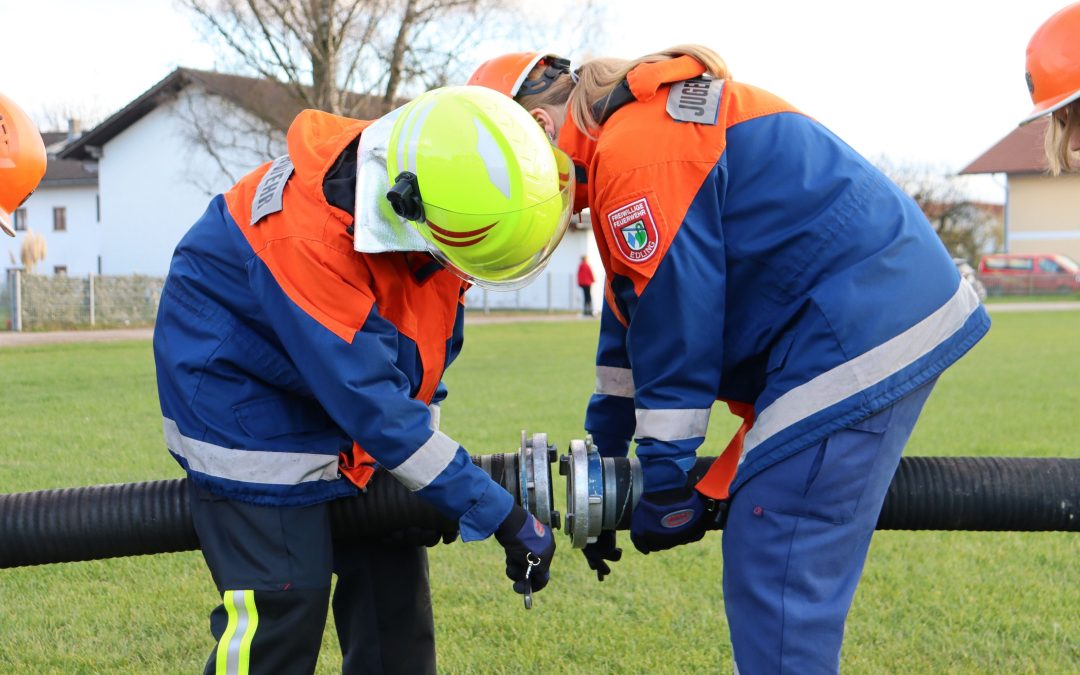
635	230
696	100
268	193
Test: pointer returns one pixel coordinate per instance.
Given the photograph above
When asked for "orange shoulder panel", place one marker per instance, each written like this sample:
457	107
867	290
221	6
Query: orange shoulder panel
305	245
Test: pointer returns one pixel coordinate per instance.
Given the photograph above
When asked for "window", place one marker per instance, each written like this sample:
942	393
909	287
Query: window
1020	264
1049	266
97	206
20	220
59	219
60	270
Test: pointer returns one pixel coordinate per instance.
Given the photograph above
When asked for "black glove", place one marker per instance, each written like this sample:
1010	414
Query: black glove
417	537
528	544
668	518
602	551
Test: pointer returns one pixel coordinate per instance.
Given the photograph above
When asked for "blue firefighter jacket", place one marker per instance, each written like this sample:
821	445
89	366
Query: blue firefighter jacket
752	256
278	347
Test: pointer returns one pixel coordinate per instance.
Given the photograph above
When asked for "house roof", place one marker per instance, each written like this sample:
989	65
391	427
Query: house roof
269	100
53	137
62	172
1019	152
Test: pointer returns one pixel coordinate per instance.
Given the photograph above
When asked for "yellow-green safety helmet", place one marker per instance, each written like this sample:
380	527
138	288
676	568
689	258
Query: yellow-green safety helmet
477	176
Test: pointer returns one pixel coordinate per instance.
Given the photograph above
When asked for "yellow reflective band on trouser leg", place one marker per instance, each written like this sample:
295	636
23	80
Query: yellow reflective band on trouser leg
234	648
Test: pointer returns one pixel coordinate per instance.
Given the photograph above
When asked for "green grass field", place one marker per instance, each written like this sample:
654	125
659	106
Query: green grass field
930	602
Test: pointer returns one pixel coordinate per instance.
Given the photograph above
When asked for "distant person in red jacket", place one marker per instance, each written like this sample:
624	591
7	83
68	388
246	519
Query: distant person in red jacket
1053	79
585	280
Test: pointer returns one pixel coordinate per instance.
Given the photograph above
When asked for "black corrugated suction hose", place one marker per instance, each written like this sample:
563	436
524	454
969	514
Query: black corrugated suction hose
1018	494
927	493
110	521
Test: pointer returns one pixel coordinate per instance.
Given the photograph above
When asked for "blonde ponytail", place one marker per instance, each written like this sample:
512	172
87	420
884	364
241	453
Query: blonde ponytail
1059	155
596	79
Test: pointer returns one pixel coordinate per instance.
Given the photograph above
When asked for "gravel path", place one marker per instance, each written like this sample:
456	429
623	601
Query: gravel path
9	339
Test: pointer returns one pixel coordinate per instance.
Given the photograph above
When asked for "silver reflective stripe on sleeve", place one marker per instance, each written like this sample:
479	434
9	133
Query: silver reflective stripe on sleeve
672	425
427	462
250	466
864	370
614	381
436	413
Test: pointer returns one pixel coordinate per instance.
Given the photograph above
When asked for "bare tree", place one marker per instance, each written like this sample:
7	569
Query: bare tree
572	28
327	52
967	227
234	140
358	58
71	117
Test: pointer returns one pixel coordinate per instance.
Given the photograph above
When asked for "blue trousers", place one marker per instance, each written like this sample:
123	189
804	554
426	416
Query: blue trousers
796	538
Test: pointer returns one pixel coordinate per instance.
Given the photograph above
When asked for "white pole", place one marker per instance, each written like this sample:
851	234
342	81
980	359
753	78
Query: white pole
550	300
92	308
16	301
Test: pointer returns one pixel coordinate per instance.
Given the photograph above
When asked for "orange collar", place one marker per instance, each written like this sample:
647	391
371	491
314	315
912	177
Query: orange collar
643	81
647	78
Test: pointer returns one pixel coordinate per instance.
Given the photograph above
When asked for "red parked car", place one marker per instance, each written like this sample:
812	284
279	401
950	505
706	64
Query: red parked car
1029	273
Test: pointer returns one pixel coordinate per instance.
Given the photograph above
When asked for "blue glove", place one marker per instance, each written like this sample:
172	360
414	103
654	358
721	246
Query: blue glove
668	518
528	543
602	551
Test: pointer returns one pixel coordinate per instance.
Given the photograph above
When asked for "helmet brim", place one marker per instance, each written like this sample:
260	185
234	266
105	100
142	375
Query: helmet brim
6	225
1049	106
508	273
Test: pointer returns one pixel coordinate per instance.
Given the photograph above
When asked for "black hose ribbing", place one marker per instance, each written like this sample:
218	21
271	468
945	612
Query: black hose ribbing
101	521
110	521
927	493
1016	494
984	493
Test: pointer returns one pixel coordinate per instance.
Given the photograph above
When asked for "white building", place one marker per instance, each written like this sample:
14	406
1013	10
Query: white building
156	176
64	211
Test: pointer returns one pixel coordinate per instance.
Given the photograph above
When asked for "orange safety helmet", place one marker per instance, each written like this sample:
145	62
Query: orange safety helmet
507	73
1053	63
22	160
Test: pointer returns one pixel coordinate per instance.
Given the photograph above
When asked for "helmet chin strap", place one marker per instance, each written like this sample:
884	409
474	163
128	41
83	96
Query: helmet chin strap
378	228
555	67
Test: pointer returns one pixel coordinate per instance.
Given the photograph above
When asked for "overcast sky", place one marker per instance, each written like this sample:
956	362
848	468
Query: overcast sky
920	81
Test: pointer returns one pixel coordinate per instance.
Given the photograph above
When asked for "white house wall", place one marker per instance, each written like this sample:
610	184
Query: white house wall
155	183
556	287
75	248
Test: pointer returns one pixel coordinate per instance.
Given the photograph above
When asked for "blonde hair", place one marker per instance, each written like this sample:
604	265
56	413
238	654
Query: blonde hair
596	79
1059	155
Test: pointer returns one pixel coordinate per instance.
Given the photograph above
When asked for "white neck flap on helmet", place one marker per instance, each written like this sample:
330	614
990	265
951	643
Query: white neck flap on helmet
377	228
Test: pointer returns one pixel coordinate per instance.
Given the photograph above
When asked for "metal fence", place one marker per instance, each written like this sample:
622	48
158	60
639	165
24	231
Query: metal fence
36	302
551	292
1023	283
